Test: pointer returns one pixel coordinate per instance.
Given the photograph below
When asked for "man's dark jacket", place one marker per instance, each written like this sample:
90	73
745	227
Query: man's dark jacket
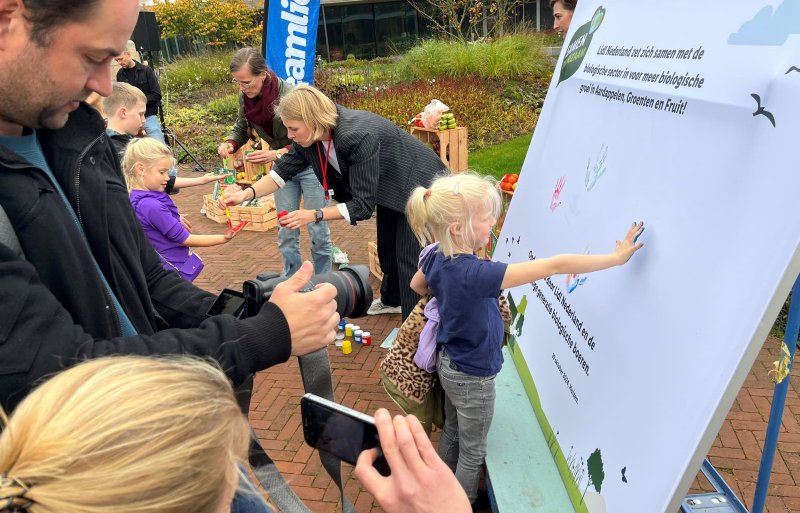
54	309
144	78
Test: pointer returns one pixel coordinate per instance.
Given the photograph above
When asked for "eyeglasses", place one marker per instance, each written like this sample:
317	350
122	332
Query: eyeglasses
242	83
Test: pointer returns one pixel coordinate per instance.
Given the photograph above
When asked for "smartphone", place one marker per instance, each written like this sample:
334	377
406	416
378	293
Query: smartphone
228	302
339	430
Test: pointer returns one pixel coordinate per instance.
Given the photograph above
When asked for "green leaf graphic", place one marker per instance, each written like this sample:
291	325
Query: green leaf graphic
579	45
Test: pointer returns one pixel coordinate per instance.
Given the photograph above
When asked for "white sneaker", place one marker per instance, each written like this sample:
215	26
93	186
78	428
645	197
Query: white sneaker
377	307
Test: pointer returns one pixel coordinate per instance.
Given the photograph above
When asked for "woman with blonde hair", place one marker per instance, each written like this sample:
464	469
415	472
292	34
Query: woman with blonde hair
364	162
142	435
125	434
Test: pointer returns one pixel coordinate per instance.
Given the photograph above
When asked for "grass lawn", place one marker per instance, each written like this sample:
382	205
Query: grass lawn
502	158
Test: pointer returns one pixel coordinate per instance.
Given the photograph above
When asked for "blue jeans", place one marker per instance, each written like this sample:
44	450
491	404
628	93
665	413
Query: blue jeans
287	198
468	410
153	128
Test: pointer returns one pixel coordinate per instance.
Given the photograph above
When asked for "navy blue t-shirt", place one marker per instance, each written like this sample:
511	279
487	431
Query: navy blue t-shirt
470	326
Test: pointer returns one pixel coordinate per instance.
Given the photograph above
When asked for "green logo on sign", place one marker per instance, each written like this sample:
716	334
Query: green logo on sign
579	45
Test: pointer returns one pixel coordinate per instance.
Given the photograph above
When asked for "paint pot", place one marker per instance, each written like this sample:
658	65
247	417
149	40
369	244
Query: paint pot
339	339
348	329
347	347
357	336
366	339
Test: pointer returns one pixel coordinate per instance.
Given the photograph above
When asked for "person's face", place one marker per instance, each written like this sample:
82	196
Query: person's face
41	85
562	18
249	84
154	177
299	132
124	60
133	118
482	224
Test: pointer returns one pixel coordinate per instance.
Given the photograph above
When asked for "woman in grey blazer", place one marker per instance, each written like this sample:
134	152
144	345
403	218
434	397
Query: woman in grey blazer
364	162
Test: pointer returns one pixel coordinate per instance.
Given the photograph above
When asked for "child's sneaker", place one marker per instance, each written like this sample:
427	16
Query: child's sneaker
377	307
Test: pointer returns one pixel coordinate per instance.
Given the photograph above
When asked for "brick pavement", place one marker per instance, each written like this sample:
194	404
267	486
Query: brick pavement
275	414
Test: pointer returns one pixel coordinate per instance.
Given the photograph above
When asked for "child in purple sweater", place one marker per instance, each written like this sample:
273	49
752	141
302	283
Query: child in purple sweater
146	165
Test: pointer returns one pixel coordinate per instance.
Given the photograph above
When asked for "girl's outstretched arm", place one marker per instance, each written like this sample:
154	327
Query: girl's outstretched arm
204	241
526	272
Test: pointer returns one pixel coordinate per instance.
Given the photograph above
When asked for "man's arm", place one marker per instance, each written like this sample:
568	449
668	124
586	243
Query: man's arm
39	337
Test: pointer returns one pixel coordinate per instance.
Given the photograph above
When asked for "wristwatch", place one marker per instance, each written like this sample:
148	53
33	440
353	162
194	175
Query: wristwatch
318	215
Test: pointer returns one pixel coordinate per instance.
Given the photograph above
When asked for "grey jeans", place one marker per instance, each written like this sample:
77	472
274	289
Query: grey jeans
468	408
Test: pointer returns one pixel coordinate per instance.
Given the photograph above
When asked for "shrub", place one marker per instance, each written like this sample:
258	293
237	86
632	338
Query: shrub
516	56
225	108
197	72
477	103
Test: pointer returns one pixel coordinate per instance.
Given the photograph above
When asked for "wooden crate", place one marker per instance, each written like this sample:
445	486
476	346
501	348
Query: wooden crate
374	263
251	171
259	219
453	148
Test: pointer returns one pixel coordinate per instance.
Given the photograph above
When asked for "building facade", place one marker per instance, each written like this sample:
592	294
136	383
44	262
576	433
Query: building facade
367	29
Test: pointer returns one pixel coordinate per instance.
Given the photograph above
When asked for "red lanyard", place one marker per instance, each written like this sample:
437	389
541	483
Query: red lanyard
324	165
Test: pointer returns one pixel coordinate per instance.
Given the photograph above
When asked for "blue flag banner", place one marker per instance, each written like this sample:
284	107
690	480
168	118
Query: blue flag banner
291	38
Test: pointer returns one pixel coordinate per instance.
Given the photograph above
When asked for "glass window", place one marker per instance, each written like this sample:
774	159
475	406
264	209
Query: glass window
358	31
333	15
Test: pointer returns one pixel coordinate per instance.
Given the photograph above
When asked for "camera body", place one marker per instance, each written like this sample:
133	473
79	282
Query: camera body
353	292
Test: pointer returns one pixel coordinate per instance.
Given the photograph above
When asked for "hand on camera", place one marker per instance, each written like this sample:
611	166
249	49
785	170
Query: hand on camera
420	482
311	316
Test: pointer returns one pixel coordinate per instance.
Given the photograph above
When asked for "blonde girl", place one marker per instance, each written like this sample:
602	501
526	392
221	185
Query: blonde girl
125	434
458	212
146	165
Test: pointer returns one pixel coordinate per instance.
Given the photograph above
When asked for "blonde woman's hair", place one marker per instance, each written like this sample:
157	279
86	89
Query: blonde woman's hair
122	95
451	200
145	150
311	106
124	434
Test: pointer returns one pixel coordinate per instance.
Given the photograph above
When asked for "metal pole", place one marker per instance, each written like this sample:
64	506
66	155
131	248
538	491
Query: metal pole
778	403
325	24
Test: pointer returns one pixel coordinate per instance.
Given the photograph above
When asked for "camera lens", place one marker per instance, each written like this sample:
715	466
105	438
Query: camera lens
353	292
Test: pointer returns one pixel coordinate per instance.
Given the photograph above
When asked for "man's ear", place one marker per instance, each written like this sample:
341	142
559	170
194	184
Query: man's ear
11	19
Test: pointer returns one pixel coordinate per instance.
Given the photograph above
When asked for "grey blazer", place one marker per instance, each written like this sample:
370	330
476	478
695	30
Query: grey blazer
380	163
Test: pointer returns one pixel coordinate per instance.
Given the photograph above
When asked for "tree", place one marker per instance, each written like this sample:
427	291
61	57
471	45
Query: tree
464	20
596	474
216	22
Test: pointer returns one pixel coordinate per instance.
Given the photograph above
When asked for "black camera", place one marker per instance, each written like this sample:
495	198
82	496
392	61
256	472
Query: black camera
353	292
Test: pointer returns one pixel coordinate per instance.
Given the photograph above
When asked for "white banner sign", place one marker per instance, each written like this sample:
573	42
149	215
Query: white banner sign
686	116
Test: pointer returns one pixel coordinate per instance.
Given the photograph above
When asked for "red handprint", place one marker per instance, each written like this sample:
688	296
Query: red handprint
554	203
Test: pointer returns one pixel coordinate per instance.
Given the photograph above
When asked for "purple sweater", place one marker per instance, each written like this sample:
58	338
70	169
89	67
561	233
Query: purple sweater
162	225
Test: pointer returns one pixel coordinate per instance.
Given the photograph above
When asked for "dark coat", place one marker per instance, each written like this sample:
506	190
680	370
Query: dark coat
54	308
380	163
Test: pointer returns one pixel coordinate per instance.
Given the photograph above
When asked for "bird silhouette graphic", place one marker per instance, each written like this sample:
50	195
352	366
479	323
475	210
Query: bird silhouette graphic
793	68
761	110
624	479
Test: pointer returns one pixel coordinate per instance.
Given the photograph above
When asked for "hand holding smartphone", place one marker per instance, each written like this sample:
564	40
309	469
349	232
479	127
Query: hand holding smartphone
339	430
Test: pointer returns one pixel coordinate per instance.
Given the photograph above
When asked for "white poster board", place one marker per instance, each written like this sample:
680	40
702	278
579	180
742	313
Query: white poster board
654	114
